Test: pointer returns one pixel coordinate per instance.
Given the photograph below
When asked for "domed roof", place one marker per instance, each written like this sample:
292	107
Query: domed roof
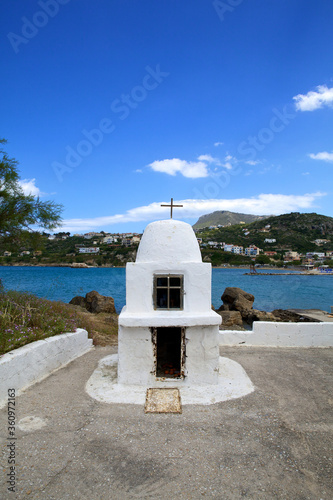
169	241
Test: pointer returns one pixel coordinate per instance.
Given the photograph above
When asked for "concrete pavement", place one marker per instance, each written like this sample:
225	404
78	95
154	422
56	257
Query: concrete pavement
275	443
316	314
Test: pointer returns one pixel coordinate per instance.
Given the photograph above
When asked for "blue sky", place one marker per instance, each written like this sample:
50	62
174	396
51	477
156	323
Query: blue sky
113	107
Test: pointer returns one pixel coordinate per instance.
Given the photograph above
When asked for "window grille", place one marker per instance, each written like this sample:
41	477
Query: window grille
168	291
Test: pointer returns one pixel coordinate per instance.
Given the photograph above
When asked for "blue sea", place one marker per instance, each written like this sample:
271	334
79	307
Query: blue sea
270	292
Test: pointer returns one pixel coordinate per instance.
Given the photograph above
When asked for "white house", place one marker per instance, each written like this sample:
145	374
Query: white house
292	256
233	249
88	250
136	239
252	251
237	250
320	255
168	333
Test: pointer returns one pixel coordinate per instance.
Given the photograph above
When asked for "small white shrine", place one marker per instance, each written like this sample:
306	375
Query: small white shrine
168	334
168	331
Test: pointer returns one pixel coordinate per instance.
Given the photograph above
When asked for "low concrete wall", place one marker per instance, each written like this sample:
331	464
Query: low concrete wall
273	334
26	365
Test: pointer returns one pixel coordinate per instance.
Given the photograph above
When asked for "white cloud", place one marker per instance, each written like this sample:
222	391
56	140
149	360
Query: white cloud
324	156
173	166
263	204
209	159
29	187
314	100
192	169
229	162
252	162
217	144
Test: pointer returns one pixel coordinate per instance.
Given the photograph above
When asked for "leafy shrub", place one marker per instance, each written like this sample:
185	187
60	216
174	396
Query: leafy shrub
25	318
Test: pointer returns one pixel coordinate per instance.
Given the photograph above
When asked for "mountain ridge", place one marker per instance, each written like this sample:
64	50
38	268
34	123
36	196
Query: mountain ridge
226	218
291	231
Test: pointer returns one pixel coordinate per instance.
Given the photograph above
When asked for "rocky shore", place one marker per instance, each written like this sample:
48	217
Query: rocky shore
238	313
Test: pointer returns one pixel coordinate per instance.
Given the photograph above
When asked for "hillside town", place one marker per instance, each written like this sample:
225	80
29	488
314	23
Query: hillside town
95	244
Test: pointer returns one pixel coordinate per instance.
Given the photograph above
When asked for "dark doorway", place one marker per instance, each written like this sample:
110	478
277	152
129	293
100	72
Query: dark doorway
169	352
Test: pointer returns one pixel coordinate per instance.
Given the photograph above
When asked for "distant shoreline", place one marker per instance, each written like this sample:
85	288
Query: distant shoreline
260	270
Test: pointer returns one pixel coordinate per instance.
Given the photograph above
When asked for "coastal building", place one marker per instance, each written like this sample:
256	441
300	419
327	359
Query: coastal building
270	240
110	239
252	251
7	254
126	242
270	253
89	236
320	242
320	255
92	250
168	333
233	249
308	263
238	250
290	255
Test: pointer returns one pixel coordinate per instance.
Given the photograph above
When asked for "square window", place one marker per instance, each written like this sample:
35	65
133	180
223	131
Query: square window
168	291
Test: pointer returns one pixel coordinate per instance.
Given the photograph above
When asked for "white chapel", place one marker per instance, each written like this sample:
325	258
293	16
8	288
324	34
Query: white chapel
168	331
168	334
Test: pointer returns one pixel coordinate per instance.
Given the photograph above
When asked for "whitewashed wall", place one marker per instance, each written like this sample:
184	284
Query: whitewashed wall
273	334
26	365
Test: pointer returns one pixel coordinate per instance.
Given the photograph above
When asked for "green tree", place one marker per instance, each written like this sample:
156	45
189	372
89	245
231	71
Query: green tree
18	212
263	259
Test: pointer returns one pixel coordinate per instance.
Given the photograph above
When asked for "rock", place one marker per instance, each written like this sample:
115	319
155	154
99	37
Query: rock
79	265
237	300
96	303
291	317
78	301
224	307
256	315
231	318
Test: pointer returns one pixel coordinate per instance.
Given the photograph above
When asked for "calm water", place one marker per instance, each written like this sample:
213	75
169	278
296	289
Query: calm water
271	292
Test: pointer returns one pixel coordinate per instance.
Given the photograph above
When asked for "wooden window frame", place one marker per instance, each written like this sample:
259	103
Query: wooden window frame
168	288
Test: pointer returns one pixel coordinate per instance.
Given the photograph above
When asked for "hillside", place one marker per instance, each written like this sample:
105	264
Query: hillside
292	231
225	218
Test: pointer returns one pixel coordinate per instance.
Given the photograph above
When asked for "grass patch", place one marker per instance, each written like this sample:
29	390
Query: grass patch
25	318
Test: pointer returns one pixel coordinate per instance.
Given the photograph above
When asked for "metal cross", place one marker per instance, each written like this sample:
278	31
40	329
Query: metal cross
171	206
